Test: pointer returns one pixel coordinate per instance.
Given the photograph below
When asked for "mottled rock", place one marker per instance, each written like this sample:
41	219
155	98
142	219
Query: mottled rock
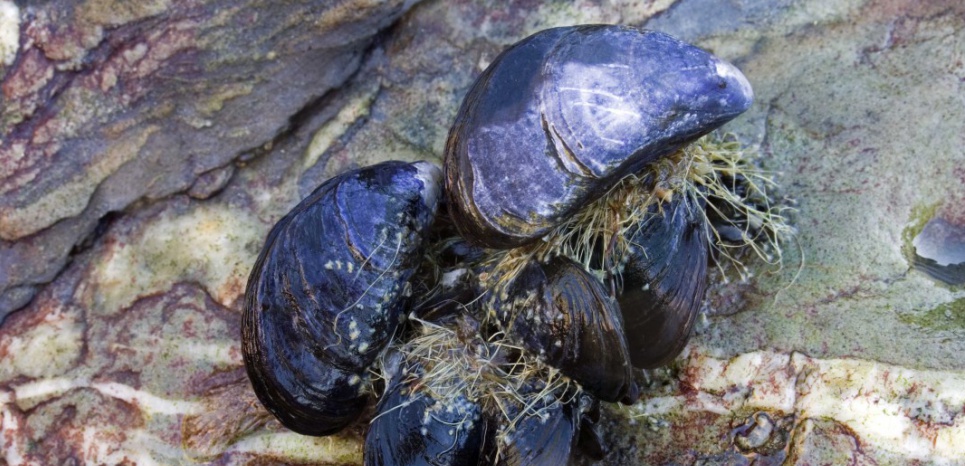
818	441
859	115
210	182
104	106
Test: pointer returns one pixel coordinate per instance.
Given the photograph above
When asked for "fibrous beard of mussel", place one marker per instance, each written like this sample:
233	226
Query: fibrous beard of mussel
715	168
601	237
594	237
518	396
749	220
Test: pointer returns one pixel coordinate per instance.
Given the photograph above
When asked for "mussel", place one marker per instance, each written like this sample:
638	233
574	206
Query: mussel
414	427
543	432
455	399
328	289
664	280
553	124
561	116
562	314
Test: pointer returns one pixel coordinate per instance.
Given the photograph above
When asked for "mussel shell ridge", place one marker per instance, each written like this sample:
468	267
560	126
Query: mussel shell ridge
541	434
664	281
562	314
414	428
327	291
560	117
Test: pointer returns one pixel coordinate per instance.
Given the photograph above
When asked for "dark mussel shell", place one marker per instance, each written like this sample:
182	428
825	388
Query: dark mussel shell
590	440
561	313
414	428
327	291
543	433
664	281
561	116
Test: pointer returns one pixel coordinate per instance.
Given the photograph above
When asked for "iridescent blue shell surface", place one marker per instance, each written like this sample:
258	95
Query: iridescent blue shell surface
414	428
561	116
328	290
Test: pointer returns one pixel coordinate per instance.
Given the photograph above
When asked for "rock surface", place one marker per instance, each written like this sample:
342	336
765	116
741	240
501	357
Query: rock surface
105	105
146	150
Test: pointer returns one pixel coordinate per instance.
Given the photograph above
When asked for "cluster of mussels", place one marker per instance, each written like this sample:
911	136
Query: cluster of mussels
568	248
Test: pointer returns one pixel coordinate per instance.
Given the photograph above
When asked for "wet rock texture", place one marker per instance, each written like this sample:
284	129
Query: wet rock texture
147	148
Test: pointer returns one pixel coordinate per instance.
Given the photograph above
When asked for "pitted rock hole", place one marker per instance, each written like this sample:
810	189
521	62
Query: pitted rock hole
940	251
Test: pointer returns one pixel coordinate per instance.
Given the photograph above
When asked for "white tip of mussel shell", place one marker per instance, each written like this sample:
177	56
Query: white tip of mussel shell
431	177
733	75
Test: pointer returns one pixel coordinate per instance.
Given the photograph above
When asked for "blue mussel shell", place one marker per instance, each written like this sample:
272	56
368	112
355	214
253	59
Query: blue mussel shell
561	116
327	292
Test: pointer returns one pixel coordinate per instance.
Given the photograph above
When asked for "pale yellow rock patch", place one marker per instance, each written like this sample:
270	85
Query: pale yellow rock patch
212	245
70	198
9	32
299	448
115	12
47	349
911	414
357	108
